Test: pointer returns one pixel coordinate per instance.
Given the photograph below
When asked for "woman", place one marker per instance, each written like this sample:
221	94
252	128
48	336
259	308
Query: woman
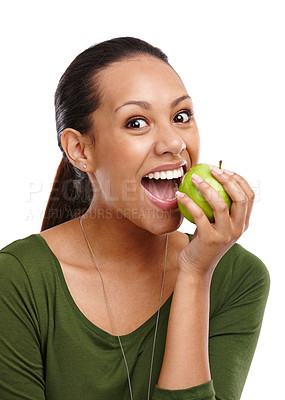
110	301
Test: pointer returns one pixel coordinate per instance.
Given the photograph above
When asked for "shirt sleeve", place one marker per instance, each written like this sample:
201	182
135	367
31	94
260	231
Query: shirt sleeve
201	392
21	364
239	292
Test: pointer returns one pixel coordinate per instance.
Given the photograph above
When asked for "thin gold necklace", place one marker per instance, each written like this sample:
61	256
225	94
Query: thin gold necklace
113	319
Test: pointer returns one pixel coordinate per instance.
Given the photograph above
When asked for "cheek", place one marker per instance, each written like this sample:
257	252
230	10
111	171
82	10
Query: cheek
117	165
193	146
128	154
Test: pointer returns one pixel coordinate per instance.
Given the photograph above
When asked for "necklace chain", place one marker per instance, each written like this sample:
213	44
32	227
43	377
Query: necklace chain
113	319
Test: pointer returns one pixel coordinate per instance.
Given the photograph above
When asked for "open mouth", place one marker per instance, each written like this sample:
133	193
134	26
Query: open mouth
161	187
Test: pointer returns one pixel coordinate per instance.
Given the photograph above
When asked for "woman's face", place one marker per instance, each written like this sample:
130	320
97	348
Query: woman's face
144	127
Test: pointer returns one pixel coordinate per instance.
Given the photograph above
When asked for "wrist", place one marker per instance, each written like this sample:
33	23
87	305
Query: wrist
192	277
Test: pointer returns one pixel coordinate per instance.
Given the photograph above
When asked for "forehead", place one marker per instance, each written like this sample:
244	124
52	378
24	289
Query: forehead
142	78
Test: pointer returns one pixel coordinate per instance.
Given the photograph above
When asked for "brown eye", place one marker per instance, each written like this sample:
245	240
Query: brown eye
136	123
183	116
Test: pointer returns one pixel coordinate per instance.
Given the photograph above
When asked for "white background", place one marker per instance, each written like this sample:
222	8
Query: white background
230	56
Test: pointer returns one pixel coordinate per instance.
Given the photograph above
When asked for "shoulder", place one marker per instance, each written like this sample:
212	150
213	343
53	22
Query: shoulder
241	263
239	276
28	251
27	262
242	266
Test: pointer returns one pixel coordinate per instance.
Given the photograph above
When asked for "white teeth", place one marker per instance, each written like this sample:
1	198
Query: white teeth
169	174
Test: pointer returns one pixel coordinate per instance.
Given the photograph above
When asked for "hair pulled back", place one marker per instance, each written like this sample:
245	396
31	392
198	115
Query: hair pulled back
76	98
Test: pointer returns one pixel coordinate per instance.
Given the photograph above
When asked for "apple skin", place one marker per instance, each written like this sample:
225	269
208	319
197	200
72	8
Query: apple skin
188	187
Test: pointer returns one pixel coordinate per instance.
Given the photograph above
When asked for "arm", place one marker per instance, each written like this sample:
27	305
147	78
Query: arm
239	291
186	365
21	364
235	320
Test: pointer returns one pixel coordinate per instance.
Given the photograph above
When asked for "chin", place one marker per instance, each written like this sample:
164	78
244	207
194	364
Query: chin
163	223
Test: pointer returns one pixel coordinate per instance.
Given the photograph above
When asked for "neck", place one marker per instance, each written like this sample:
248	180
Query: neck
134	249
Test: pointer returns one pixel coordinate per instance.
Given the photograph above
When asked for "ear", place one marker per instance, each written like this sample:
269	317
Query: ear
74	144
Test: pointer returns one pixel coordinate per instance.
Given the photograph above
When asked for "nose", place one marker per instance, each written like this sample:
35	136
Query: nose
168	141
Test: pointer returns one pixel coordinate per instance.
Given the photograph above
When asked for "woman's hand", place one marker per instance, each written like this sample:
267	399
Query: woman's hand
212	240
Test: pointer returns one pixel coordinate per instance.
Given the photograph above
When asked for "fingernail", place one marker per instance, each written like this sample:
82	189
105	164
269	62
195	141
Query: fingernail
197	178
228	172
180	194
217	170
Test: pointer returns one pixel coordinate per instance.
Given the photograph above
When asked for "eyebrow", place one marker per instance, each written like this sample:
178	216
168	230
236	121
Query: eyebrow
147	106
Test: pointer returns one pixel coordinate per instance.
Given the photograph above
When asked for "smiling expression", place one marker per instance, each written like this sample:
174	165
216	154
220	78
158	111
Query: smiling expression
144	132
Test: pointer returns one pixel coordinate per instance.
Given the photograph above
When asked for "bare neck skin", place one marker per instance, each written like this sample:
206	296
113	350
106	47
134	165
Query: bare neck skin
134	249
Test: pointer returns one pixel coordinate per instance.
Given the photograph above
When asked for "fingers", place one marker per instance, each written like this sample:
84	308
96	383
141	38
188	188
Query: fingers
231	224
222	224
249	193
241	194
200	219
219	206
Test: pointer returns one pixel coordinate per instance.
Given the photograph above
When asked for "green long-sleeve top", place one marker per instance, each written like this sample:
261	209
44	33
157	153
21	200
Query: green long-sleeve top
50	350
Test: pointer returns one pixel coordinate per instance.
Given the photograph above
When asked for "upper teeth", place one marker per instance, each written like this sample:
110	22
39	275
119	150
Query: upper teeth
170	174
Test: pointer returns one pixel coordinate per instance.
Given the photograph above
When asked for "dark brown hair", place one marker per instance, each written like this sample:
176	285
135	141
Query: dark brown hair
76	98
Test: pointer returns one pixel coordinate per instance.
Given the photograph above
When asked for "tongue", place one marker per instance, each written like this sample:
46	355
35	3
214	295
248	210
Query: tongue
163	189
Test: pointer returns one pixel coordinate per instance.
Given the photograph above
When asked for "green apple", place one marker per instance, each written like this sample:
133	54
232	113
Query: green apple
188	187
